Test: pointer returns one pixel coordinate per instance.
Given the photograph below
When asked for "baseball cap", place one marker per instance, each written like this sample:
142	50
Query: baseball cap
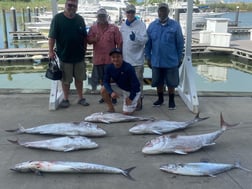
115	50
102	11
163	5
130	8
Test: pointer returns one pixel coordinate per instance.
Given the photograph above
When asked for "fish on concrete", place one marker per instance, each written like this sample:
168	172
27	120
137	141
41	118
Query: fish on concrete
163	126
184	144
67	129
200	168
113	118
65	144
69	167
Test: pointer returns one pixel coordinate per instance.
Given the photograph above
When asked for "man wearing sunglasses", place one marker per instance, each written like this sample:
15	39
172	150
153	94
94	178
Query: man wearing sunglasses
134	39
68	32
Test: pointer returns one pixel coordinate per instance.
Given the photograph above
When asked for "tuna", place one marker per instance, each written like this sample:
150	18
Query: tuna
200	169
184	144
113	118
163	126
65	144
66	129
68	167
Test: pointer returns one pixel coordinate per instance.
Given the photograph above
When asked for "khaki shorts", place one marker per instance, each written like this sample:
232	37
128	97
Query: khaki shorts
125	94
70	71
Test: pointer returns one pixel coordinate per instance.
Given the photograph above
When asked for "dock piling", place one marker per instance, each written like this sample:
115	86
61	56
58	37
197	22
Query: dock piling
5	36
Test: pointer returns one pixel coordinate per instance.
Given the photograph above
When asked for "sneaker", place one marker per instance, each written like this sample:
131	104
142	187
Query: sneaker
158	102
65	104
83	102
101	101
114	101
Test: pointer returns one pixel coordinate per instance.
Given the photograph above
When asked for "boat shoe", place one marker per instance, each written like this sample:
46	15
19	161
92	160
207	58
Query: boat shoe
83	102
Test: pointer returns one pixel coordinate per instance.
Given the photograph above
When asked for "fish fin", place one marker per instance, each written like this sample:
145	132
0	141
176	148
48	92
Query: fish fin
39	173
20	129
126	173
196	119
69	149
237	164
210	144
180	152
211	175
105	121
224	125
157	132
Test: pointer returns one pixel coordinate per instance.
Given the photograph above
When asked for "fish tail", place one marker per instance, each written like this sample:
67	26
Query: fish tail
196	119
225	125
237	164
13	141
21	129
126	173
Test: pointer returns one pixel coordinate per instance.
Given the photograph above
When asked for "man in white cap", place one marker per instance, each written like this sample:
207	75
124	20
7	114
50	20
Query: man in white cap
134	38
104	37
163	52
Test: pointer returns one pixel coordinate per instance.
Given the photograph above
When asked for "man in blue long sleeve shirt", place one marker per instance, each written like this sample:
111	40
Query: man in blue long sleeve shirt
163	52
127	84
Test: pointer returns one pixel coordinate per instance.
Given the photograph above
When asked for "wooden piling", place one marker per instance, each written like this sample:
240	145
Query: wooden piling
14	26
5	36
29	13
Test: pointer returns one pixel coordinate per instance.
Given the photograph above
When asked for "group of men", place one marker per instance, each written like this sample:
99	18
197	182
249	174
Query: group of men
118	55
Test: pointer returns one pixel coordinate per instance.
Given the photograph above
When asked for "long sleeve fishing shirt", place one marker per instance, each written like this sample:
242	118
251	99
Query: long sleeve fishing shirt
133	51
125	77
165	44
108	38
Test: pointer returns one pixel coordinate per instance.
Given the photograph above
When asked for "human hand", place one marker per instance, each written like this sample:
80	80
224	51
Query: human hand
132	36
114	95
51	55
149	64
128	101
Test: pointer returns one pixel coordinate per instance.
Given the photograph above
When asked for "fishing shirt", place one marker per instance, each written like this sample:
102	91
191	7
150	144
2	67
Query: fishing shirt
165	44
109	38
125	77
133	51
70	37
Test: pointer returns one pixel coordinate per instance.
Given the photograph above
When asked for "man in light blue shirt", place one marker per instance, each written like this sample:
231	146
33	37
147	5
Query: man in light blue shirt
163	52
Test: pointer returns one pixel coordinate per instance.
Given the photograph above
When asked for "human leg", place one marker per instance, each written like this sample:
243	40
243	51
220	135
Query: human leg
139	73
106	97
80	75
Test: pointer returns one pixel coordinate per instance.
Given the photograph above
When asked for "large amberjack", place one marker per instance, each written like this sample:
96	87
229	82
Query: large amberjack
69	167
67	129
65	144
184	144
163	126
113	118
200	168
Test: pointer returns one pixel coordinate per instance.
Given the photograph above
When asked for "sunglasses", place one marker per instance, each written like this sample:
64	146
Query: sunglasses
130	12
71	5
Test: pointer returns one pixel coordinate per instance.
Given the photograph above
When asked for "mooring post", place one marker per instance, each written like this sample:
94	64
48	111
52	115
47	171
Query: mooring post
36	12
5	36
237	15
29	13
23	18
13	11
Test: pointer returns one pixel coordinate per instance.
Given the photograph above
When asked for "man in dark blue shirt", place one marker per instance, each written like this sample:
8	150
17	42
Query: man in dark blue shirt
125	83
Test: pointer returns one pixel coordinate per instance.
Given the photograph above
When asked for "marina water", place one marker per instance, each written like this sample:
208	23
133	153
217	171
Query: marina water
212	73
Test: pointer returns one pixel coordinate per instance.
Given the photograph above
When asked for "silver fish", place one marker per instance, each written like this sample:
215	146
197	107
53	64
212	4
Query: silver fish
113	118
200	169
163	126
68	167
65	144
67	129
184	144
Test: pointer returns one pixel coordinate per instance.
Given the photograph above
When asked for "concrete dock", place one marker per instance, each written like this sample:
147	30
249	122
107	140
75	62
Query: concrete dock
122	149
